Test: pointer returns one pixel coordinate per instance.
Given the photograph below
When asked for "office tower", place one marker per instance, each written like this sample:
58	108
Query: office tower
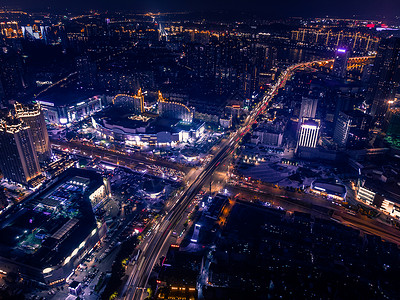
343	103
32	115
133	104
342	128
340	63
385	76
366	73
18	159
87	72
352	129
138	100
308	108
174	110
308	135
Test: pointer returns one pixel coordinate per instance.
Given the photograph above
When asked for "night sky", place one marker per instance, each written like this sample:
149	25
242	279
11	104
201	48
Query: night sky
338	8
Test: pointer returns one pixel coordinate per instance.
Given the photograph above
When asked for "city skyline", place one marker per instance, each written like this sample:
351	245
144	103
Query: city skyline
385	9
202	154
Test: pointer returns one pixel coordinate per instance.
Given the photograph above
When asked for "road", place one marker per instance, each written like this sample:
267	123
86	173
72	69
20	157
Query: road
117	157
151	249
370	226
320	207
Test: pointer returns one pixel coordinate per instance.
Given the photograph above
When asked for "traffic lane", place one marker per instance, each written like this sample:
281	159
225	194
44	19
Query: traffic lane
180	206
270	190
217	159
358	221
172	220
162	252
369	225
286	203
148	267
148	244
189	193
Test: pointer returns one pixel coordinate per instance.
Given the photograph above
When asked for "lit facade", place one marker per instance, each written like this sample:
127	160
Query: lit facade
340	63
370	195
342	128
65	114
174	110
18	159
333	191
385	76
32	116
139	136
308	109
324	36
133	104
309	133
61	230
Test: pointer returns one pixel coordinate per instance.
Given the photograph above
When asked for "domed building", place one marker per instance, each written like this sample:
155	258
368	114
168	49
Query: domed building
154	188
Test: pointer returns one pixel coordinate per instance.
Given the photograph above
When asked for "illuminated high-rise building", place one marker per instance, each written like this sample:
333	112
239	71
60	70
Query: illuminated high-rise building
174	110
134	104
352	129
345	103
308	110
385	76
342	128
309	133
32	115
340	64
18	159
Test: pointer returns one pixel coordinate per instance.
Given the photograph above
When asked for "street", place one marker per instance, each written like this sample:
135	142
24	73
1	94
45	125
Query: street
139	277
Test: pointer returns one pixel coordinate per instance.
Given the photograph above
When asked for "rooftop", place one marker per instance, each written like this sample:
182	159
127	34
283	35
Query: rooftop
52	223
65	96
329	187
269	254
115	116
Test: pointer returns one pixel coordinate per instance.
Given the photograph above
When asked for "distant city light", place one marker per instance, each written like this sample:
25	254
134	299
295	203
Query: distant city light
341	50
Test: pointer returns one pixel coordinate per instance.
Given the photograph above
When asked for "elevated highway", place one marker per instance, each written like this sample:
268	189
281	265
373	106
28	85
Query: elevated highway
152	247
